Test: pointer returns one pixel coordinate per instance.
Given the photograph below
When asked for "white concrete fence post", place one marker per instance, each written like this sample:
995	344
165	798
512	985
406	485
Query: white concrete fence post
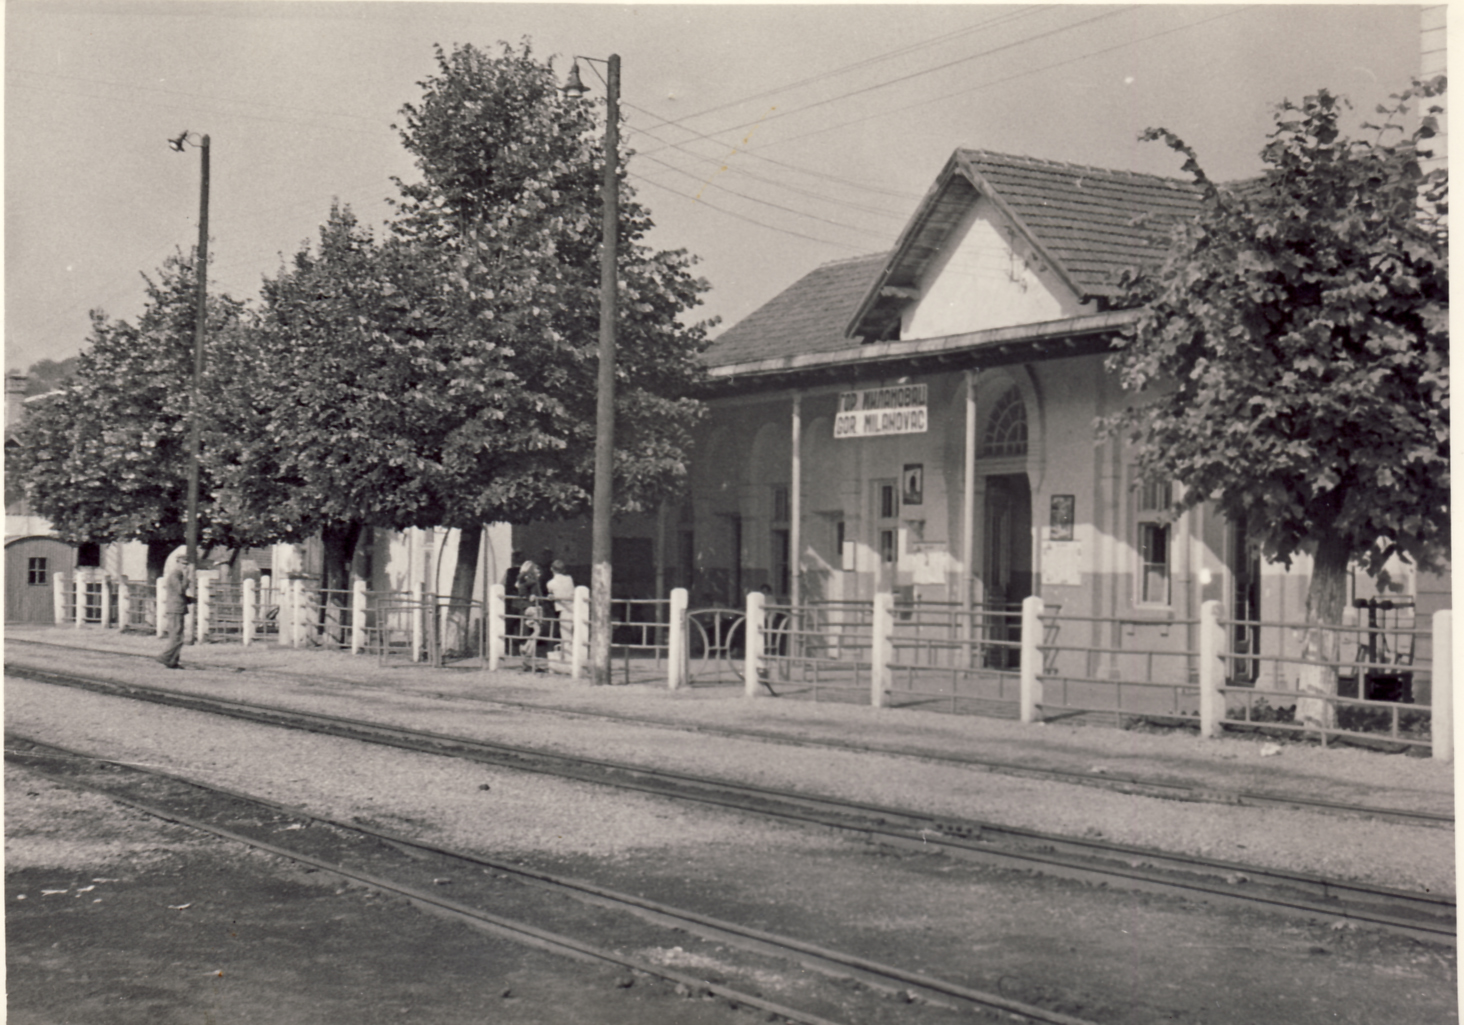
419	622
298	612
124	601
753	639
1212	669
1029	660
204	604
881	647
78	599
1441	700
248	610
676	647
61	581
358	616
160	597
579	647
497	626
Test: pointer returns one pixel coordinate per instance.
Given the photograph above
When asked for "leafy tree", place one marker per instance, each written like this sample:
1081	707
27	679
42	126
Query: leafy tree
508	206
1293	351
355	385
105	459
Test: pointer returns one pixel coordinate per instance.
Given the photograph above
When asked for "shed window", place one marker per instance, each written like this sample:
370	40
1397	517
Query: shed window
36	570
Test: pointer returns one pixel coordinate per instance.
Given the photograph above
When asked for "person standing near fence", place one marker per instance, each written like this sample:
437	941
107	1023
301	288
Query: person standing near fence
513	608
177	596
531	600
561	592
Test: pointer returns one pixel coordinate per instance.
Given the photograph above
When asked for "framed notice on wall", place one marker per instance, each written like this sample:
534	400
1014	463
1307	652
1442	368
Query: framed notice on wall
914	484
1061	522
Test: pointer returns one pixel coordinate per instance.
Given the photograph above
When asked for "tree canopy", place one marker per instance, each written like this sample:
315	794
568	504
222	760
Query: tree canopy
1291	353
104	459
508	204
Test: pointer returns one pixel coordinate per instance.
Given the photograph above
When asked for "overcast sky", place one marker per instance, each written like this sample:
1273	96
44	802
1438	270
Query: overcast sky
769	139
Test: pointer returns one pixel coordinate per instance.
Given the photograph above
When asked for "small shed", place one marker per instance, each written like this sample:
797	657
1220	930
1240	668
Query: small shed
31	564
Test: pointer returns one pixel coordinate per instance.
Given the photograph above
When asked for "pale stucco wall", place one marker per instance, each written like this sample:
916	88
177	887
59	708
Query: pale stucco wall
989	276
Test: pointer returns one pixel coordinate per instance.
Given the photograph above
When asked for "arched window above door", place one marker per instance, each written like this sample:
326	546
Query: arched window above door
1006	429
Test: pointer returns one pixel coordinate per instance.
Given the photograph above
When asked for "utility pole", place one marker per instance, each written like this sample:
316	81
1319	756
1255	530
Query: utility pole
604	497
200	329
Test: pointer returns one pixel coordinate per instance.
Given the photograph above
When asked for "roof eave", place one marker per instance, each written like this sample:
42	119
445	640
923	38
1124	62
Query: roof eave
971	344
912	230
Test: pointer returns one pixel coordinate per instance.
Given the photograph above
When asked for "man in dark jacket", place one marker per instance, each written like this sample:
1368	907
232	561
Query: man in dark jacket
177	596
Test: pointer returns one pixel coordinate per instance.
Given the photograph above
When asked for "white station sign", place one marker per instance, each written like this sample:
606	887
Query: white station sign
874	411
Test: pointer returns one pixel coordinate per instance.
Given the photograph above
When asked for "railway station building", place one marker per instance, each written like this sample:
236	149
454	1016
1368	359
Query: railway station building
923	421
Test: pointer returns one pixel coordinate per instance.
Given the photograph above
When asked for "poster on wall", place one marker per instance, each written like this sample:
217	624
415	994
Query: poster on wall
914	481
877	411
1062	564
1061	522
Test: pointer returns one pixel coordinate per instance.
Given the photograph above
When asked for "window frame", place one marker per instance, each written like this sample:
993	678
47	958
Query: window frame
1152	504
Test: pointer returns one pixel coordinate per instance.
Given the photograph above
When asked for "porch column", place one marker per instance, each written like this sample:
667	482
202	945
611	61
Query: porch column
968	504
795	513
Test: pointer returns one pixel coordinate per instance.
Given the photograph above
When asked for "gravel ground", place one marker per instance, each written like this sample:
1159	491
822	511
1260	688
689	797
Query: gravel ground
1097	952
454	701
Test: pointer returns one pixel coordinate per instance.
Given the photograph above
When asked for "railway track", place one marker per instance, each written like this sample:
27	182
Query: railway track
864	990
1111	781
1425	916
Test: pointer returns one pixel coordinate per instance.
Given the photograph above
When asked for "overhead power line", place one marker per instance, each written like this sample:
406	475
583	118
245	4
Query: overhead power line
1024	41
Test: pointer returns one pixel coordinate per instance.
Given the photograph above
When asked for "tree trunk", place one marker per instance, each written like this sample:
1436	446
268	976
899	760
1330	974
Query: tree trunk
338	543
157	557
1325	600
458	638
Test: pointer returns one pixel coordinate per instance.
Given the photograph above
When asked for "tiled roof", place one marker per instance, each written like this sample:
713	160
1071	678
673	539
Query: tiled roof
808	316
1093	222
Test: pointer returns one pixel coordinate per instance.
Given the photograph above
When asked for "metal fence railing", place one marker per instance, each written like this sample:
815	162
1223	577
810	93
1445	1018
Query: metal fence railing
1358	683
958	658
821	649
1124	666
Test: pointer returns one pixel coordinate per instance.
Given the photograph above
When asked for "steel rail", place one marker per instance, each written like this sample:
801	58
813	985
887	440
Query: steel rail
543	939
1080	858
1118	782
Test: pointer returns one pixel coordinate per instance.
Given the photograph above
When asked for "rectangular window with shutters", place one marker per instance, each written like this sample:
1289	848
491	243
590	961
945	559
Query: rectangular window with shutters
1152	542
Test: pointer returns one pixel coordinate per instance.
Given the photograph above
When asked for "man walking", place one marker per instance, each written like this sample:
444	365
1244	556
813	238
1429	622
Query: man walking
177	596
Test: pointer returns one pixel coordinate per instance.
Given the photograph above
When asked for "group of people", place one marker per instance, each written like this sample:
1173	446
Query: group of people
541	600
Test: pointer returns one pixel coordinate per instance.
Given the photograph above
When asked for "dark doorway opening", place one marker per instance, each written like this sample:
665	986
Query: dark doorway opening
1008	564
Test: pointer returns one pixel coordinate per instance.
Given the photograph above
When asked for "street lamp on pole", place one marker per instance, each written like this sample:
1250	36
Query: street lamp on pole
200	269
605	392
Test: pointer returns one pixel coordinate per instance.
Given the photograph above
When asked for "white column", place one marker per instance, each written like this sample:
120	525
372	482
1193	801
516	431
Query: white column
579	648
1441	721
1212	669
881	647
497	626
1030	659
160	601
968	514
124	598
676	669
753	640
248	610
795	519
358	616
